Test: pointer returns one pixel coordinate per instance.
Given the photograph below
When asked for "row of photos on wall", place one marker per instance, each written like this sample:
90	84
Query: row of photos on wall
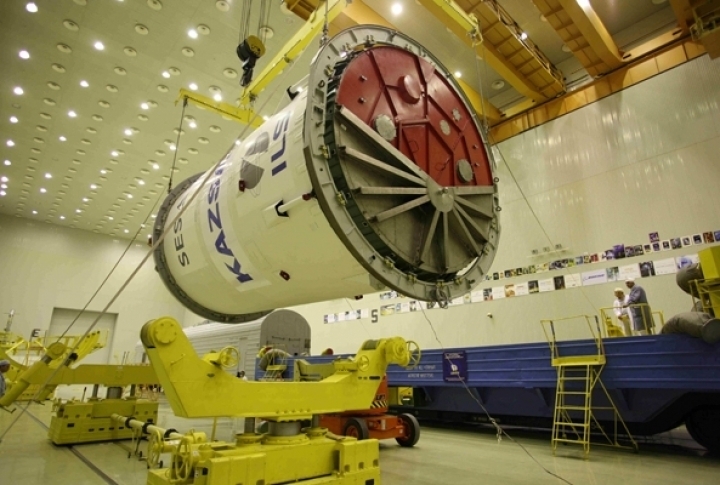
641	269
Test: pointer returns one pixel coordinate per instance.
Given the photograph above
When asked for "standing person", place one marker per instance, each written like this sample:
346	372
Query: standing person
241	375
621	311
639	308
4	367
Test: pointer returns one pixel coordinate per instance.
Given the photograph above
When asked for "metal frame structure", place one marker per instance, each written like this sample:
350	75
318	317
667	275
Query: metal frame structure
577	377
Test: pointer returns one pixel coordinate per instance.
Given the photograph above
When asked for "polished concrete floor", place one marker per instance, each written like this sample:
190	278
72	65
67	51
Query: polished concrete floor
443	455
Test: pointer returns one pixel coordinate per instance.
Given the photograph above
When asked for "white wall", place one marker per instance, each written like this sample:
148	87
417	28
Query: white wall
640	161
43	266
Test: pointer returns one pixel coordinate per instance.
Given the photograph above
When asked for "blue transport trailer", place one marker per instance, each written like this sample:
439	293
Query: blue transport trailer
657	383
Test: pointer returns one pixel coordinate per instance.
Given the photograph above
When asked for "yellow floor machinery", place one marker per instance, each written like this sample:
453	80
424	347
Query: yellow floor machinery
86	420
289	453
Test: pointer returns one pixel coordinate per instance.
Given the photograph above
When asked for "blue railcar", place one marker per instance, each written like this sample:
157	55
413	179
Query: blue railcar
657	383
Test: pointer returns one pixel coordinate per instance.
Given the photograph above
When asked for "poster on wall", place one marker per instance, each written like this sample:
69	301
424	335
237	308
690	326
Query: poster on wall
647	269
522	289
509	291
476	296
665	266
386	310
686	261
533	286
546	285
596	277
612	274
628	271
573	280
457	301
487	294
498	292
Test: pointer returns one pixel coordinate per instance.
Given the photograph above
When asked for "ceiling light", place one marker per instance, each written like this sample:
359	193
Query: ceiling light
114	153
43	190
458	74
2	193
18	90
99	45
237	142
3	186
85	199
31	7
93	187
62	218
144	106
10	143
193	86
4	179
78	211
192	124
62	138
34	212
7	163
172	147
499	84
48	175
165	74
141	182
84	83
217	97
192	33
13	119
103	171
126	231
129	196
155	166
24	55
523	36
72	114
128	131
396	9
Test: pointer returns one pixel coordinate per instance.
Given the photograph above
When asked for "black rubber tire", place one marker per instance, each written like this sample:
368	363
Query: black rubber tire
357	428
703	424
412	426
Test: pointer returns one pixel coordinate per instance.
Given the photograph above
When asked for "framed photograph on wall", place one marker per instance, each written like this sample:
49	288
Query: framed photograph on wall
687	241
676	243
708	237
654	237
697	239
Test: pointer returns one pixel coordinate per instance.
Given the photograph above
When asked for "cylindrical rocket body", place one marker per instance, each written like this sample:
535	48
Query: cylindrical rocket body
328	199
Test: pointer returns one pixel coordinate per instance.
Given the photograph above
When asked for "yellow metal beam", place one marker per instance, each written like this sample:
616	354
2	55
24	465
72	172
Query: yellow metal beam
242	115
292	49
683	13
481	106
594	31
466	27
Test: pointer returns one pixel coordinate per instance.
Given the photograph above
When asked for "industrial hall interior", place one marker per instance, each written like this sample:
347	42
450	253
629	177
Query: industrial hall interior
359	242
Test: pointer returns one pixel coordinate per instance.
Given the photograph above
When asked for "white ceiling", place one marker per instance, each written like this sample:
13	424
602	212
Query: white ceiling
130	172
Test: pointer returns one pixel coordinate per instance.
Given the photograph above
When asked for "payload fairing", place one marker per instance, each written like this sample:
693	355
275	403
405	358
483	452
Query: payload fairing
377	175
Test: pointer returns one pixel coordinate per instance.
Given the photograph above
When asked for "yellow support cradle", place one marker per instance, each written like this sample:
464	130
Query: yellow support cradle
574	417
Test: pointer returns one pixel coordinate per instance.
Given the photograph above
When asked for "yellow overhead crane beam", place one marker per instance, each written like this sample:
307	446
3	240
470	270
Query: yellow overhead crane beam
292	49
467	28
583	32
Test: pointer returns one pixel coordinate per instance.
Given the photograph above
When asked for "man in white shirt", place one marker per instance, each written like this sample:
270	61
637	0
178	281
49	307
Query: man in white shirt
621	311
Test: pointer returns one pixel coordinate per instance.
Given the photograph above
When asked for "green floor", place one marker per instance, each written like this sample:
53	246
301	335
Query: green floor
443	456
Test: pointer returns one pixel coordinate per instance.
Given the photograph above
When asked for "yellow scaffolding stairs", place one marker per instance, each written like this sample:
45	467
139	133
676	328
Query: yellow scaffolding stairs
574	418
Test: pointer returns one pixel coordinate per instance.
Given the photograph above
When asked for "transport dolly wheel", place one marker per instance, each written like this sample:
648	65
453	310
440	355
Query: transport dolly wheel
703	424
357	428
412	430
